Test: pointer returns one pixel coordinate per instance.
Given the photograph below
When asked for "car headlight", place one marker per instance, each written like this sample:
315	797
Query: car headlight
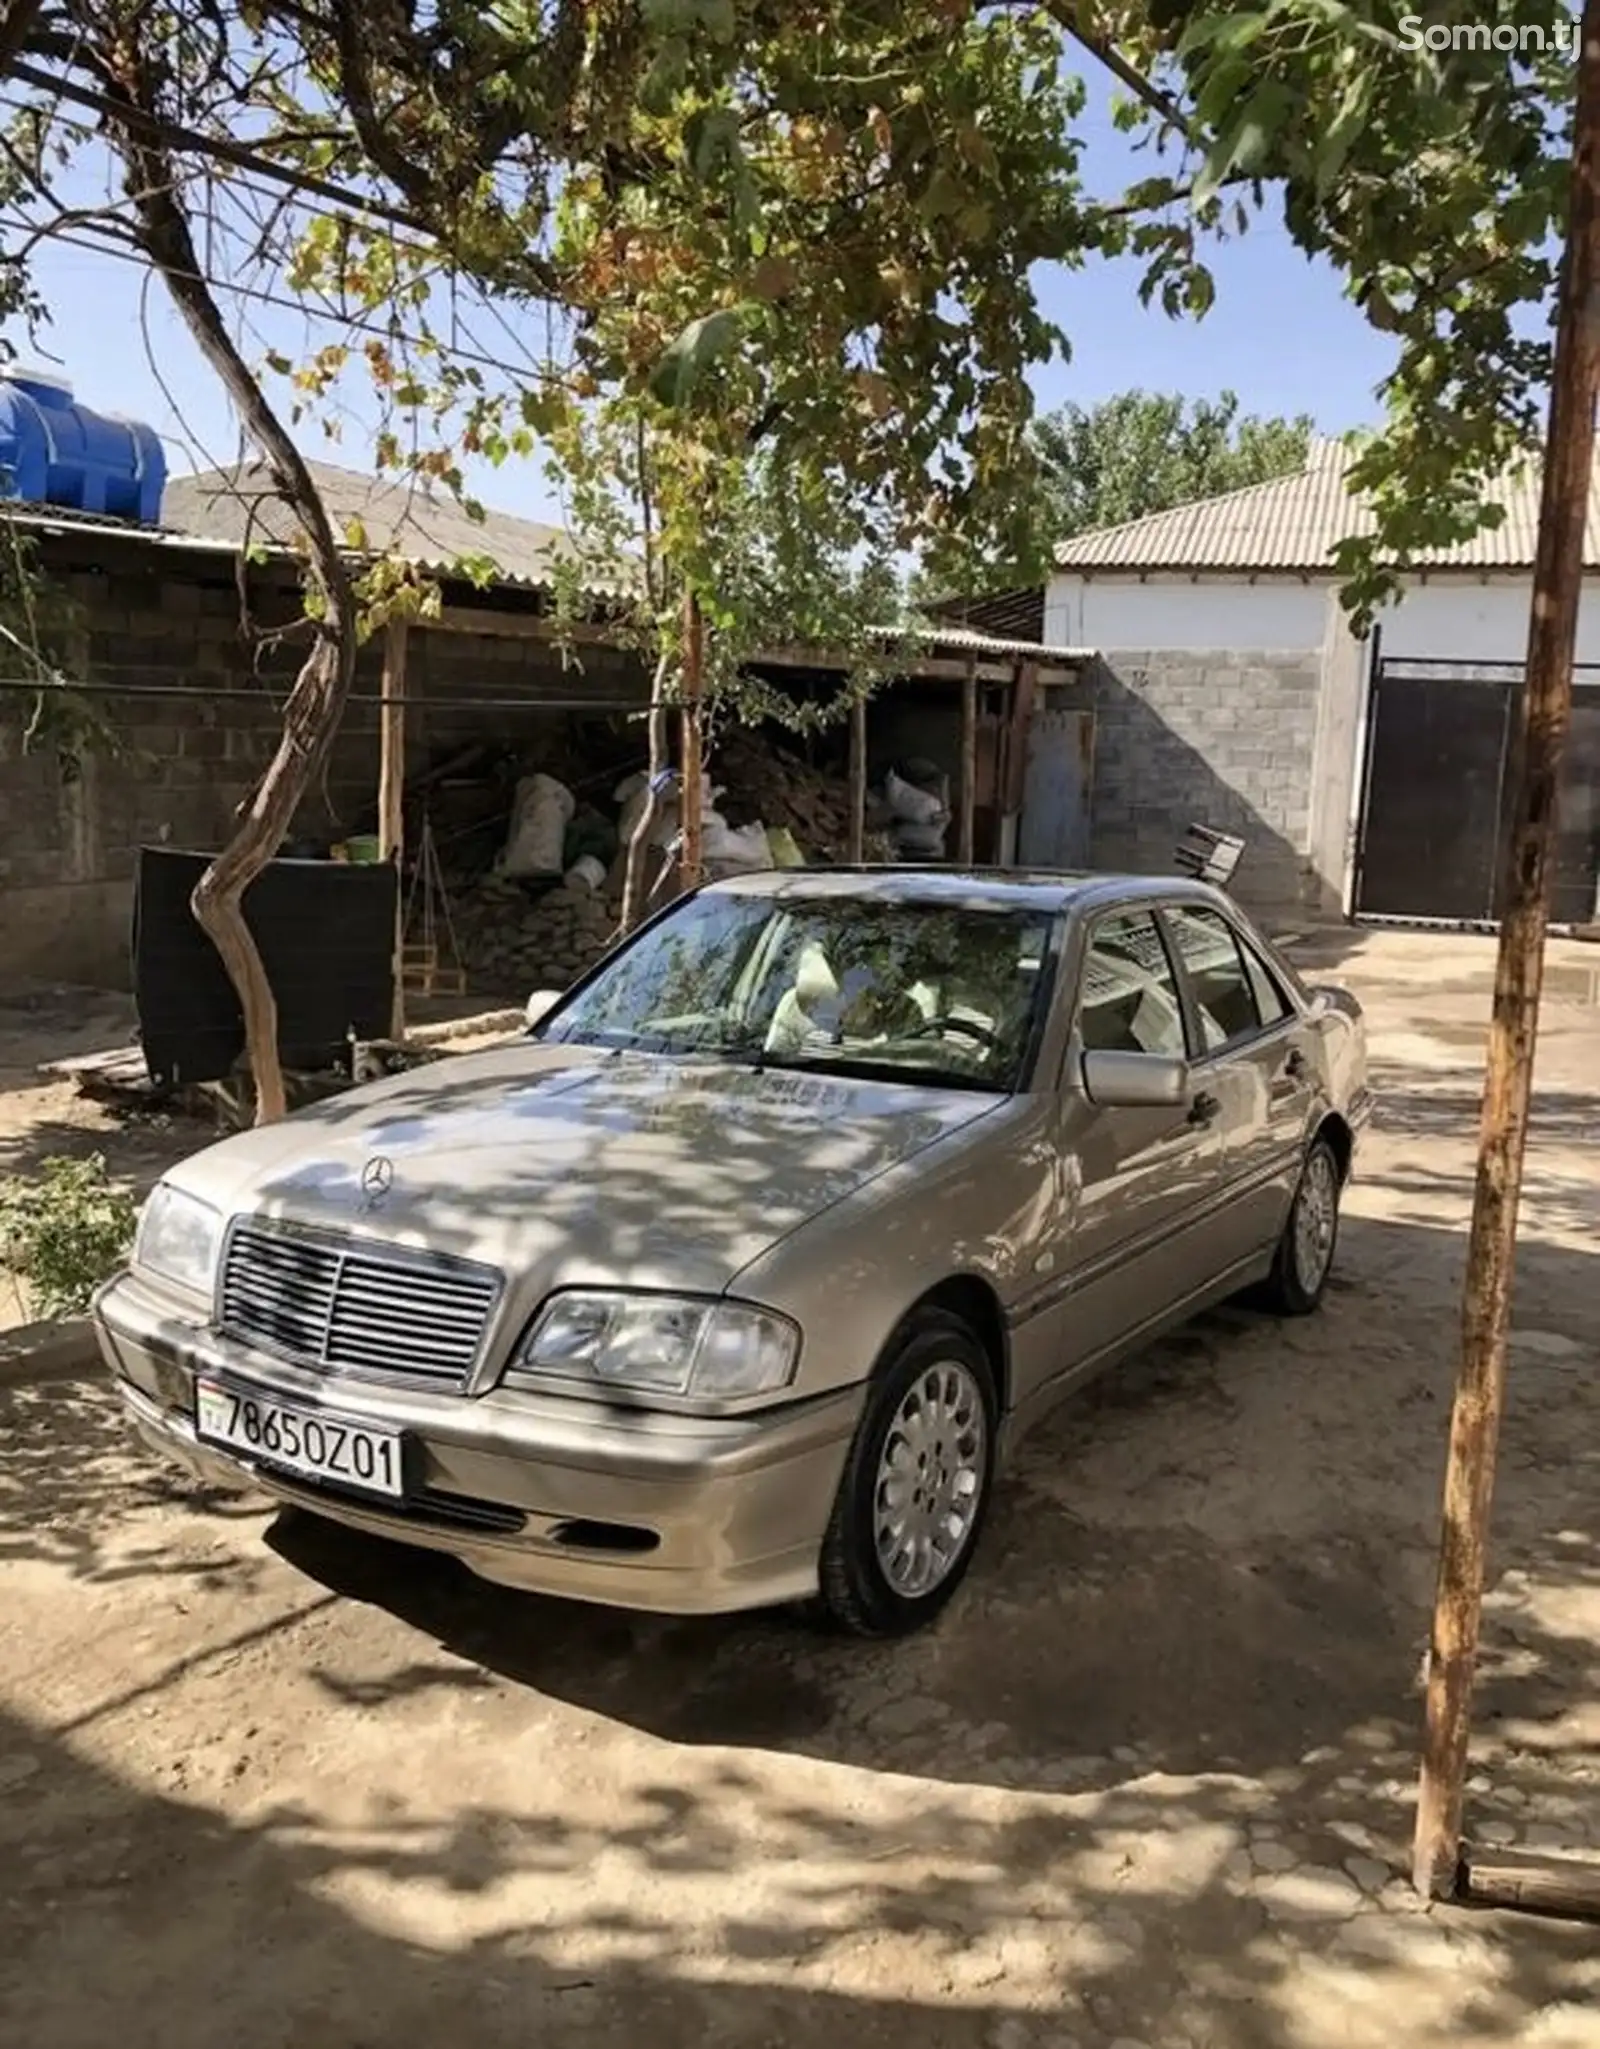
680	1345
178	1239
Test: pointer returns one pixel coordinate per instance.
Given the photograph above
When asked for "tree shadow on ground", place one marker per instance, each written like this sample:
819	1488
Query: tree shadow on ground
1114	1796
718	1913
1200	1566
77	1492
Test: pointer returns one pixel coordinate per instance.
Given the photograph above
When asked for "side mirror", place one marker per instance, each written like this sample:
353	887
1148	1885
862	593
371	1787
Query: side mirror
540	1005
1135	1081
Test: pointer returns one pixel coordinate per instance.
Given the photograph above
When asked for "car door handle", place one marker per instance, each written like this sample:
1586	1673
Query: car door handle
1297	1067
1204	1109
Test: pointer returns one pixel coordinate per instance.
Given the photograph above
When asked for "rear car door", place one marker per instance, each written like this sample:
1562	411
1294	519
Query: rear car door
1250	1061
1137	1183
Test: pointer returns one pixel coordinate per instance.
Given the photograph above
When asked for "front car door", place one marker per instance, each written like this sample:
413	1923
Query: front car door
1250	1058
1125	1244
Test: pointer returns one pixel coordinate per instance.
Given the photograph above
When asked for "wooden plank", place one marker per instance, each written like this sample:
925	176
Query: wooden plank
1550	1886
391	794
1530	847
519	626
969	764
856	848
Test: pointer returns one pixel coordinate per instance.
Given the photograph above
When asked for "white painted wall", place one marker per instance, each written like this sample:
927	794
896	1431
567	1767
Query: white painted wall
1108	613
1457	620
1453	618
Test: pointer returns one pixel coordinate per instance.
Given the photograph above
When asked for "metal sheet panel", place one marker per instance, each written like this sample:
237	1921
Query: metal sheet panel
1054	827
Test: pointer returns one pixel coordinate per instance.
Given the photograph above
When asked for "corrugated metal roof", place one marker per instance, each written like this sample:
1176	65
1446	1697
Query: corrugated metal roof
966	640
1294	523
1017	614
233	506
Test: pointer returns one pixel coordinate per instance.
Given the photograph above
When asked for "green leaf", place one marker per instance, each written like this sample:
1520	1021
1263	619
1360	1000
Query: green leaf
1245	142
1332	147
719	20
1220	32
668	69
701	344
711	139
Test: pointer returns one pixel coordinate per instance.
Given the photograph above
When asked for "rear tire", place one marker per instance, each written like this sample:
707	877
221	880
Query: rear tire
915	1491
1304	1258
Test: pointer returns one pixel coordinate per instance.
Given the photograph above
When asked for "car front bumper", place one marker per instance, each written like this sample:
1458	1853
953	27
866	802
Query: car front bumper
675	1514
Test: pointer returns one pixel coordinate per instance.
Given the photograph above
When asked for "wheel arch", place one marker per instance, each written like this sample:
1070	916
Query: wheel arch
972	1298
1336	1130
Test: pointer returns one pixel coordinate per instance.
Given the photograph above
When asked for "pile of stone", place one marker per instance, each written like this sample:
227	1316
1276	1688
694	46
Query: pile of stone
515	938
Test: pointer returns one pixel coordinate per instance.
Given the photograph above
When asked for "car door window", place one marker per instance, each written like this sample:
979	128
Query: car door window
1128	997
1272	1005
1224	995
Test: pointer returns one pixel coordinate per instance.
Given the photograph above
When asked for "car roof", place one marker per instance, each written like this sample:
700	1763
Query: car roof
1038	889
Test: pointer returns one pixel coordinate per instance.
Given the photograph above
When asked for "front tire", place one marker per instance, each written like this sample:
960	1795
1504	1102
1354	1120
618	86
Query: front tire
1304	1258
916	1485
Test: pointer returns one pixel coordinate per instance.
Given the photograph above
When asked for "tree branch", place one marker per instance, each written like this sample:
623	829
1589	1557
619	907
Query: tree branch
311	715
1067	13
18	19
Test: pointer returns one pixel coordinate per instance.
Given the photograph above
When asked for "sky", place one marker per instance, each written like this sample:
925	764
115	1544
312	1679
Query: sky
1281	335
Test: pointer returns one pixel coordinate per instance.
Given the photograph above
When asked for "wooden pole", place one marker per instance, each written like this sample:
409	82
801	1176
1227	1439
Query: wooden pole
969	764
391	795
692	767
1491	1245
857	848
1547	1885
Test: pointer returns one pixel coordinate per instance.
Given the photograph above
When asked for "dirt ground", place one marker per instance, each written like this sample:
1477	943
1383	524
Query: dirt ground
1150	1782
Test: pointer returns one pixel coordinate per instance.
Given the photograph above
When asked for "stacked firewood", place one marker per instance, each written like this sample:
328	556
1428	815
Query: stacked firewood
767	784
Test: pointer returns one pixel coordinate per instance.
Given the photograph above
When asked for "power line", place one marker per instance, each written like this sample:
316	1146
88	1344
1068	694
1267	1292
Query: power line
178	137
107	246
193	692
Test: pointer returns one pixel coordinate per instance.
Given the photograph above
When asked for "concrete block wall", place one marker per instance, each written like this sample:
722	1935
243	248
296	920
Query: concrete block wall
1222	738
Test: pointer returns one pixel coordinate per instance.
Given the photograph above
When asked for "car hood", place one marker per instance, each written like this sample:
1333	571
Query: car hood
572	1165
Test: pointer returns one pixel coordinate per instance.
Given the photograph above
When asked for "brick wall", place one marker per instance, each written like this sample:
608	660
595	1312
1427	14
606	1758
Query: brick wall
1223	739
184	760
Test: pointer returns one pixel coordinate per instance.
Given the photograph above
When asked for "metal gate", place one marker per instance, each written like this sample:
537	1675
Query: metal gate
1435	805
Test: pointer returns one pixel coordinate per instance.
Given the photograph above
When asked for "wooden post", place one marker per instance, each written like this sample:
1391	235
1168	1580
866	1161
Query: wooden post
857	847
692	782
969	763
1491	1245
1014	759
391	795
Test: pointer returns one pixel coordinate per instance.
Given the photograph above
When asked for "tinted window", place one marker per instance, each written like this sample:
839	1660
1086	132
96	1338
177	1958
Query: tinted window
1129	999
1222	989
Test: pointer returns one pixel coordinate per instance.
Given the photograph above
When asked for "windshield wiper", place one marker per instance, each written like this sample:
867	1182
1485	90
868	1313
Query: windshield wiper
848	1068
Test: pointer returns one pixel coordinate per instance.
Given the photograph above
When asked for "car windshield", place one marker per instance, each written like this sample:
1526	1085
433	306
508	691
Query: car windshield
930	992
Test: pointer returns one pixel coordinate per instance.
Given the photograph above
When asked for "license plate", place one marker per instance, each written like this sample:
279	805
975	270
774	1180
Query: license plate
268	1432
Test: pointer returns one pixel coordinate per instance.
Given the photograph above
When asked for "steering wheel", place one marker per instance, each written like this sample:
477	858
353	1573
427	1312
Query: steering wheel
948	1022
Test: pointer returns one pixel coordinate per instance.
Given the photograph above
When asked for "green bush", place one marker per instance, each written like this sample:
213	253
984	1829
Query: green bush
63	1231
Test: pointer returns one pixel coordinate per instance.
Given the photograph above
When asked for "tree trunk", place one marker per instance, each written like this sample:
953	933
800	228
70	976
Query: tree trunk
639	838
311	716
1519	971
692	795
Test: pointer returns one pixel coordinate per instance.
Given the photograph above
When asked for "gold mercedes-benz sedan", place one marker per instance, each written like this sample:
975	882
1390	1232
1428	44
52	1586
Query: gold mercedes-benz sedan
738	1279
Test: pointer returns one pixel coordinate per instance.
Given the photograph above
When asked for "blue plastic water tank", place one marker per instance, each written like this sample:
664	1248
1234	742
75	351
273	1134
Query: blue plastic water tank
54	451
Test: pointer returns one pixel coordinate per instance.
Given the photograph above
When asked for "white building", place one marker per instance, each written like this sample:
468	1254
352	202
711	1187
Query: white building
1368	776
